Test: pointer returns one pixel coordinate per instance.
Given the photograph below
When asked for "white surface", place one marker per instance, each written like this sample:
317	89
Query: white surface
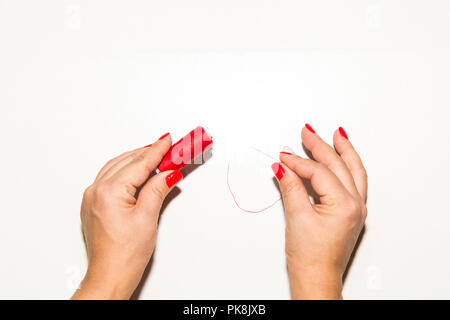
82	81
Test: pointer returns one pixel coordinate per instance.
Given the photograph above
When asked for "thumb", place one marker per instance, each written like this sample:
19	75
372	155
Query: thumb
155	190
292	189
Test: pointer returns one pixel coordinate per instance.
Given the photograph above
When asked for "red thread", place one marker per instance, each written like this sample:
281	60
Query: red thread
237	204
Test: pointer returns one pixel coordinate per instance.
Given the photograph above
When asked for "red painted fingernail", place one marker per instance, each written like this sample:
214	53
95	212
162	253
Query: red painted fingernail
173	178
286	152
309	128
343	133
148	145
163	136
278	170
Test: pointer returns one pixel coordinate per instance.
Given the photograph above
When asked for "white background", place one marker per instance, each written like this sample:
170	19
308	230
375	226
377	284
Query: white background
83	81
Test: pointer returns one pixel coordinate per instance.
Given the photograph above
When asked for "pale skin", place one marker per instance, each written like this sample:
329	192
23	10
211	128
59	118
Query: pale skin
120	225
320	238
120	229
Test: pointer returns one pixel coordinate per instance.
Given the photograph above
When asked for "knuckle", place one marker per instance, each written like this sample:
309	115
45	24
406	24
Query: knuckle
347	157
158	191
109	163
100	195
354	163
364	211
87	194
143	160
296	166
331	158
291	186
352	209
325	151
101	191
139	157
363	172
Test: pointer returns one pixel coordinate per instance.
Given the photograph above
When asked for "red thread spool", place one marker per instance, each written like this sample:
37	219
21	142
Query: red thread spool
187	150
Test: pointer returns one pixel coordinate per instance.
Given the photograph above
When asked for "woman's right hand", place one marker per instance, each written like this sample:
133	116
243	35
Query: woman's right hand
119	215
320	237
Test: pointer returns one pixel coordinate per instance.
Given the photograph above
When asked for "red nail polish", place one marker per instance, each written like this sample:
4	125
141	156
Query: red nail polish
343	133
173	178
163	136
286	152
148	146
309	128
278	170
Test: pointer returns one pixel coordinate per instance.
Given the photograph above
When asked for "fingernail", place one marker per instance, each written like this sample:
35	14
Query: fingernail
148	145
343	133
163	136
309	128
278	170
173	178
286	152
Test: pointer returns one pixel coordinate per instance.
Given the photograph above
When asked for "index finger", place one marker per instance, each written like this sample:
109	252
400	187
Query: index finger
324	153
324	182
139	169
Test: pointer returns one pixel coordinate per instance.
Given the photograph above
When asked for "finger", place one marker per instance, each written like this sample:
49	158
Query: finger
323	181
324	153
112	166
119	162
155	191
293	191
113	162
126	159
139	169
352	160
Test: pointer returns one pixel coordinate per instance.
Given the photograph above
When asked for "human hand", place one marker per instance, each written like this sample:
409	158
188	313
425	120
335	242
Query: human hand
120	226
320	237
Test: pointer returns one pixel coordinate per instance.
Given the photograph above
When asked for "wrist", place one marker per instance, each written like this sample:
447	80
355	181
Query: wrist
89	290
315	284
103	285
